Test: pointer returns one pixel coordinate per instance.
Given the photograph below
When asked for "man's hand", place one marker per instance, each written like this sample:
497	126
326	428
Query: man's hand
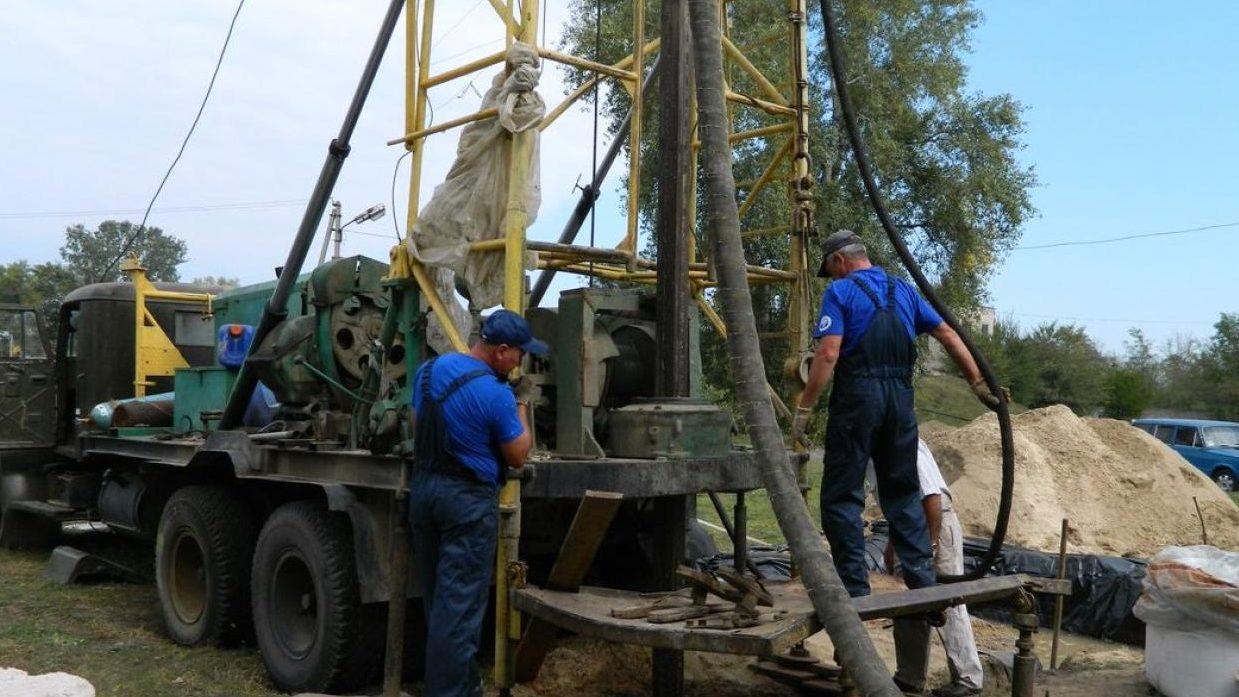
526	391
800	423
989	399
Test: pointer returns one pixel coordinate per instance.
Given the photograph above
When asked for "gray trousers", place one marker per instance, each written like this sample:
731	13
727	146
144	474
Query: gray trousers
912	635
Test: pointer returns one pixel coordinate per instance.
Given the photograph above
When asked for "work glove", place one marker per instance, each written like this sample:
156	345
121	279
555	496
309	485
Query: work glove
800	423
988	398
526	390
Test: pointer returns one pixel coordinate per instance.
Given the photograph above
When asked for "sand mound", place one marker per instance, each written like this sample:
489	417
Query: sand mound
1122	491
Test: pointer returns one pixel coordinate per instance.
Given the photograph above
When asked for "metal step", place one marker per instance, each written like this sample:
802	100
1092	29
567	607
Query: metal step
49	510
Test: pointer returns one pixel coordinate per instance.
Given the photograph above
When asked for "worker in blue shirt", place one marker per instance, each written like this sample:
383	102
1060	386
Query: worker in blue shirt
471	425
866	331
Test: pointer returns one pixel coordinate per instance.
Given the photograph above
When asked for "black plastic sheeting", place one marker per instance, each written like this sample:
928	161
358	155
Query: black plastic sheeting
1103	590
771	563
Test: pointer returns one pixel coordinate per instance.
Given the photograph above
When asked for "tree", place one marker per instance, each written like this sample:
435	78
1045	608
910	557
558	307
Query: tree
1220	368
1131	385
830	600
1128	394
222	282
42	286
1058	364
945	156
92	256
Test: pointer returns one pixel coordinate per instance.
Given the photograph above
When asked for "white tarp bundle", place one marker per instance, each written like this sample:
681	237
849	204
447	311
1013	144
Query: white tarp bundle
471	203
1190	604
17	683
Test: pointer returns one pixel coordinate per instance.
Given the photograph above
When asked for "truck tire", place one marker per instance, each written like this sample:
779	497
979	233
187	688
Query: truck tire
20	530
312	630
1224	479
202	566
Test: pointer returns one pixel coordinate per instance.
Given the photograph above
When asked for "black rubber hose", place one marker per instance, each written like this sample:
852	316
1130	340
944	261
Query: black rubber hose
839	74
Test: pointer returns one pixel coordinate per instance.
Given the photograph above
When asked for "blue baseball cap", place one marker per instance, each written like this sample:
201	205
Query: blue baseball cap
507	327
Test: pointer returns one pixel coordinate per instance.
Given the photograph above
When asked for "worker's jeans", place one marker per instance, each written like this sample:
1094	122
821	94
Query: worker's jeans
873	417
912	635
454	529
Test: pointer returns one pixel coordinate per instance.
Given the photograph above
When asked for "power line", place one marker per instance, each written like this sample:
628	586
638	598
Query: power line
1107	240
1111	319
197	208
210	86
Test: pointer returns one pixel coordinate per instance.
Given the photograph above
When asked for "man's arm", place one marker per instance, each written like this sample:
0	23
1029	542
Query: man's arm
955	348
821	369
933	518
516	451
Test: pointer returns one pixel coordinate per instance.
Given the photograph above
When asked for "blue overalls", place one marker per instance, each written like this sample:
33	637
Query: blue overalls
871	415
454	520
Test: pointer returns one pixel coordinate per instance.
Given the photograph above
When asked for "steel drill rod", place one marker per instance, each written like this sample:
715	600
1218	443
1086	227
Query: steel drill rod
276	309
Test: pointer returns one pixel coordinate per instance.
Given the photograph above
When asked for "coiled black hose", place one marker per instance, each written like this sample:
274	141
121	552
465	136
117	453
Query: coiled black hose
839	74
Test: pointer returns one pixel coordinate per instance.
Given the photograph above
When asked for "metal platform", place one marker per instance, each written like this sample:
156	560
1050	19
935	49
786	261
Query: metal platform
552	478
588	613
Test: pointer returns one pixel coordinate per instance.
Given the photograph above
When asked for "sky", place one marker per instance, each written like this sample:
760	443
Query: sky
1129	110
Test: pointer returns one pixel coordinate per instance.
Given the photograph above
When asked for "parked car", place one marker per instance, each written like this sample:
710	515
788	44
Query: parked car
1212	446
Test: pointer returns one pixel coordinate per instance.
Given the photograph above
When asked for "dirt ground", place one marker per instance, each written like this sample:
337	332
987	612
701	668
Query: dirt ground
111	634
1088	667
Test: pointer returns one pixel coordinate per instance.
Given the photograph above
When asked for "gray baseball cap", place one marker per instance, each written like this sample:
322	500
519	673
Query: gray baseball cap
836	241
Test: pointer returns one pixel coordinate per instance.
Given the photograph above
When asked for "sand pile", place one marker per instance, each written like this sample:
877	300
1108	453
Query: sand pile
1122	491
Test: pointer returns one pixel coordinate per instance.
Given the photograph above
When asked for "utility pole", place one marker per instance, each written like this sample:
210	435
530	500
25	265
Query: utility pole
333	233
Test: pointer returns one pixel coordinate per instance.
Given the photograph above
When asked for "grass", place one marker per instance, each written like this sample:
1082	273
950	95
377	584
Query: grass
761	522
948	399
111	634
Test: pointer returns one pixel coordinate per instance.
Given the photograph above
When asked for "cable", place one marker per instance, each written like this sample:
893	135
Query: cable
211	85
1113	319
455	26
1107	240
839	73
198	208
484	44
395	219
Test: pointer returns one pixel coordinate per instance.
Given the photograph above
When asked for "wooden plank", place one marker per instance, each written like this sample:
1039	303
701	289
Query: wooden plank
921	600
589	526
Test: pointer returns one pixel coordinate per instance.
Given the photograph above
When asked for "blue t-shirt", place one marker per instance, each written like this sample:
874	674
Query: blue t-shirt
847	311
479	416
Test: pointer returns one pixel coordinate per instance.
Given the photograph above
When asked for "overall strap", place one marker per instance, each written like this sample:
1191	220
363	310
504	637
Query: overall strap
891	284
864	287
461	381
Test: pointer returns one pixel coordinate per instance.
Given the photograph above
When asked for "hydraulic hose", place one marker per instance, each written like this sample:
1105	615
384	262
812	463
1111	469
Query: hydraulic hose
839	73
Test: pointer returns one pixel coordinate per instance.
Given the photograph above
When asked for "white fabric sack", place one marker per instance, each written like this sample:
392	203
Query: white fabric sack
1191	588
1190	605
471	203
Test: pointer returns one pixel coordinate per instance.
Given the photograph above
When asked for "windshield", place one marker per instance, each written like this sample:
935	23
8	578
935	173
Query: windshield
1221	436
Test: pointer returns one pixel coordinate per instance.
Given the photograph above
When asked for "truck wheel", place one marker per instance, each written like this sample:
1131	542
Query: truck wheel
202	566
18	529
1225	479
312	631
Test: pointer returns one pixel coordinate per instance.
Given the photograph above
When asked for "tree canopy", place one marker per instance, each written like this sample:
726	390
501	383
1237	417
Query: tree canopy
946	156
91	255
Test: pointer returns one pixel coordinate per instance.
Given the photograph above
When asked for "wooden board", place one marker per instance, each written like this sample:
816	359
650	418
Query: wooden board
589	526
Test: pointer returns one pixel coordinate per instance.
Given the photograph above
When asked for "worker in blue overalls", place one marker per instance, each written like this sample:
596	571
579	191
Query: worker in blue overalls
866	331
471	425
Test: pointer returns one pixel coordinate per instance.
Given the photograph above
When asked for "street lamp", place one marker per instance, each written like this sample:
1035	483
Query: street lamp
335	231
